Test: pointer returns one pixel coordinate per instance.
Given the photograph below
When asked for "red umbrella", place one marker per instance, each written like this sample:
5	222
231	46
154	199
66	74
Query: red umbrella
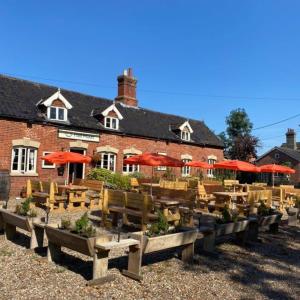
236	165
273	168
153	160
199	164
62	158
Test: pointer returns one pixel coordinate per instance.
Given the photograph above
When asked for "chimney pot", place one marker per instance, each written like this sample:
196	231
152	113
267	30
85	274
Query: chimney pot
291	139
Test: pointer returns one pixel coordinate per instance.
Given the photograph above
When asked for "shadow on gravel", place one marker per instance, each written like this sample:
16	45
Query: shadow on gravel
251	266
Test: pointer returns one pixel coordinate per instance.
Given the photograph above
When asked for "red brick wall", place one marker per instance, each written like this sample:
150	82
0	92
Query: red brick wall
48	137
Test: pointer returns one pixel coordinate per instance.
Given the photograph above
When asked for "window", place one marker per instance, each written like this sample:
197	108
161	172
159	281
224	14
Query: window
108	161
130	168
277	155
210	172
24	160
186	171
185	135
161	168
57	113
45	164
111	123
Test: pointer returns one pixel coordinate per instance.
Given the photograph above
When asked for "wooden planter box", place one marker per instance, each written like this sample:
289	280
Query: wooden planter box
10	221
271	222
238	228
58	238
184	239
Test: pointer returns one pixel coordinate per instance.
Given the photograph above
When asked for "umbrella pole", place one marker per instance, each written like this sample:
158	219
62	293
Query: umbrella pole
273	178
151	181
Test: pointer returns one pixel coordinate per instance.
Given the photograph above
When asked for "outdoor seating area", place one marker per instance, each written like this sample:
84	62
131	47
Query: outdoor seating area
185	217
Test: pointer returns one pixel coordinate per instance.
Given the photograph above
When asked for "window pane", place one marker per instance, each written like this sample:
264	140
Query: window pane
15	159
104	161
61	114
112	162
31	160
107	122
114	123
186	170
23	159
53	113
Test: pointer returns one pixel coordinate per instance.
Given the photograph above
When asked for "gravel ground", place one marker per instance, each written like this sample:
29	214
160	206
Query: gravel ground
268	269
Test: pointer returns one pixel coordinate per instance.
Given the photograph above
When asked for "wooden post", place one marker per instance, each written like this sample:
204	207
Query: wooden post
10	231
1	224
209	241
105	207
37	237
100	264
134	263
28	188
253	230
53	252
187	254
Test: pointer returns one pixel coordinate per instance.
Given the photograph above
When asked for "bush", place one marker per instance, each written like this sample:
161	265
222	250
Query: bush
161	226
83	227
227	216
112	180
24	208
263	210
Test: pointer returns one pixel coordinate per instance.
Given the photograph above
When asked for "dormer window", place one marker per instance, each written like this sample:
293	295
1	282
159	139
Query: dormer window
57	107
57	113
186	131
112	117
111	123
185	135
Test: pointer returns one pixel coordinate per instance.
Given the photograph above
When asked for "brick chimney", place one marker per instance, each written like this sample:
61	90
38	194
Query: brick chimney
127	88
291	139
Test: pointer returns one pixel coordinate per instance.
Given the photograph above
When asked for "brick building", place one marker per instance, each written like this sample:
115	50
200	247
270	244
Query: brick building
288	154
36	119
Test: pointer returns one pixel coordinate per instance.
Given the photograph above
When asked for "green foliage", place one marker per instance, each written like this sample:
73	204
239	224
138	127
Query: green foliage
263	210
238	141
169	174
227	216
24	208
137	175
160	227
83	226
112	180
66	223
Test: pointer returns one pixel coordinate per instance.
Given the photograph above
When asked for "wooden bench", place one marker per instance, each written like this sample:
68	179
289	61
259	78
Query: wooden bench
229	183
254	198
11	221
94	193
173	185
128	204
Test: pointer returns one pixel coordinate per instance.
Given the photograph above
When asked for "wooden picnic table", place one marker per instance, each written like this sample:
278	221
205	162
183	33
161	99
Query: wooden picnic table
76	194
230	198
170	208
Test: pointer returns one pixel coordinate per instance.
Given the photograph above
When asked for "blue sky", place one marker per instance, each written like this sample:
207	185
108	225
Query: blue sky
199	59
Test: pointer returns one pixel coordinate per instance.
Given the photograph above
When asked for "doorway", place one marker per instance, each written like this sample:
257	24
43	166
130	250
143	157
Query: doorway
76	170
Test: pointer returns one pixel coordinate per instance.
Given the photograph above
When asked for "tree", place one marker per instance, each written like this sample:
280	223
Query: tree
238	141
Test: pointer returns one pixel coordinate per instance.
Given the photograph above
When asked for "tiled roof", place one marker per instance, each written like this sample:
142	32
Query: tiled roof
18	99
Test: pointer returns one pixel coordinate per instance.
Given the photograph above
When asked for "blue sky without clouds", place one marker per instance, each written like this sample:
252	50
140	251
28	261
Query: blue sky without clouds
199	59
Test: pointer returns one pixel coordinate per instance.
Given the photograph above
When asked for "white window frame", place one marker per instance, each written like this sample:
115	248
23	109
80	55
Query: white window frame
111	119
110	154
210	172
185	135
45	164
25	170
57	108
161	168
127	167
186	170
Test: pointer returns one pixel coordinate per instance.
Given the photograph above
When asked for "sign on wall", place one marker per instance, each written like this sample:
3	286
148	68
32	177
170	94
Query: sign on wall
78	135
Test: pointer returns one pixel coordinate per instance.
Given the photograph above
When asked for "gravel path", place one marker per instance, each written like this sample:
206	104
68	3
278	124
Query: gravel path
269	269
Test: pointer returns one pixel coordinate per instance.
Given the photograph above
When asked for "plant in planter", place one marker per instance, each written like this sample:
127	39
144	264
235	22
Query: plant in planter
81	227
227	216
159	227
24	209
